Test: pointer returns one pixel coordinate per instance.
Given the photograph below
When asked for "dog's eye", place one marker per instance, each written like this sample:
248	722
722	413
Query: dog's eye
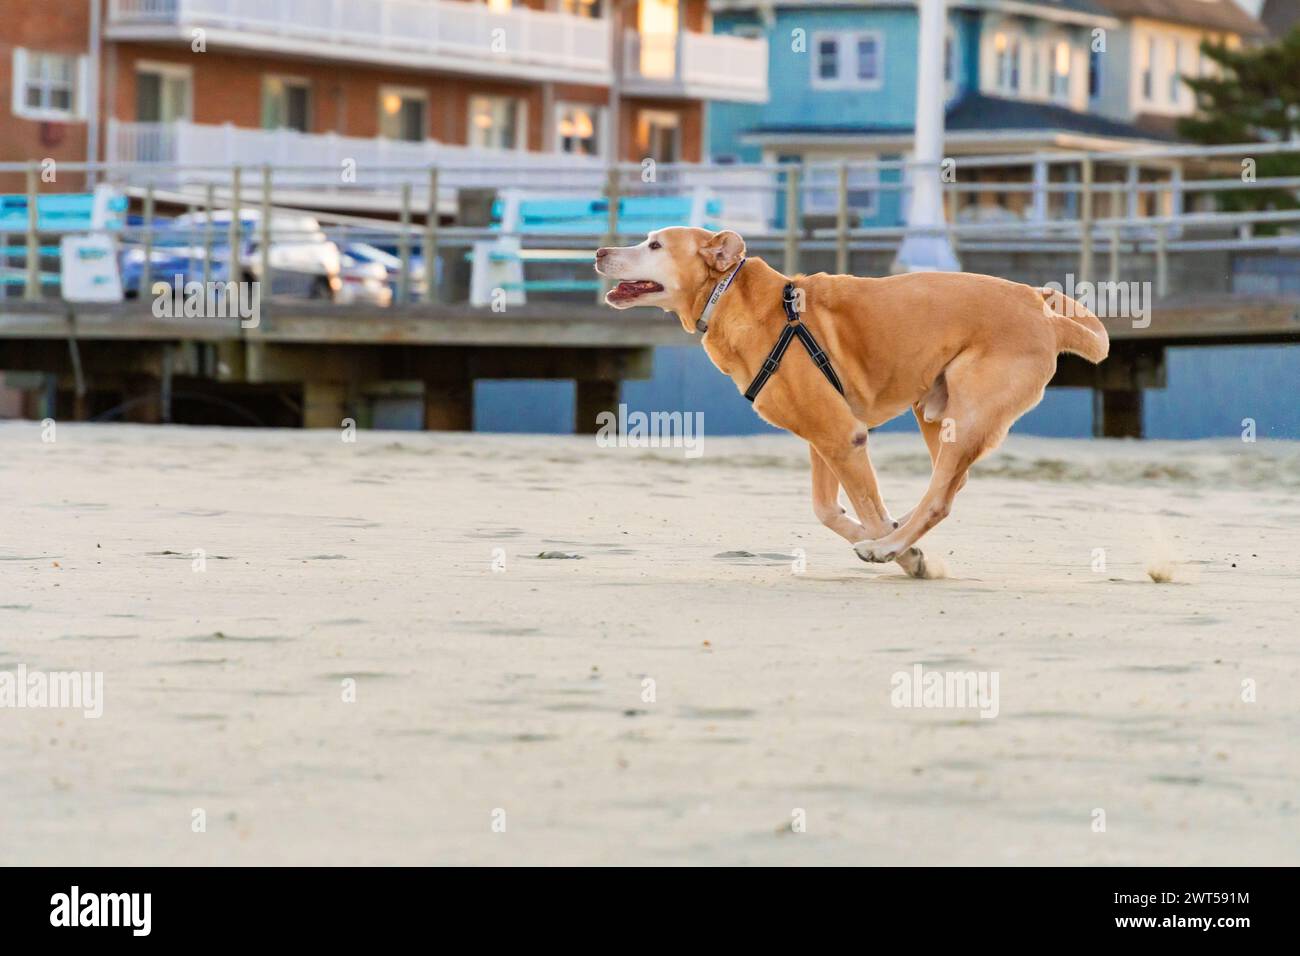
656	245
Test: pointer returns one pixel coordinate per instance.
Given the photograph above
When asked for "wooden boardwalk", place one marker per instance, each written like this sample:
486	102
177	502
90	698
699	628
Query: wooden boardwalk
324	353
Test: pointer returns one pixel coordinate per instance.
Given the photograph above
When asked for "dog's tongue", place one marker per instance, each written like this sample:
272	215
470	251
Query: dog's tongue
636	287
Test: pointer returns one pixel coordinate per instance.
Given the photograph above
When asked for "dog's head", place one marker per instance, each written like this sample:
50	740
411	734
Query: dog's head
669	268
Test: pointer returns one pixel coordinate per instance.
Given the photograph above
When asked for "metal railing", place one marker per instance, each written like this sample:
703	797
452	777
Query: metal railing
1075	208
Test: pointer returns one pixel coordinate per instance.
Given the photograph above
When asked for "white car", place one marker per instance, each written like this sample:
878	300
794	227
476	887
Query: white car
364	283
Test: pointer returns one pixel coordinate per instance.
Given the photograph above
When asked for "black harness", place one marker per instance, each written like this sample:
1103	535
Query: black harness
793	329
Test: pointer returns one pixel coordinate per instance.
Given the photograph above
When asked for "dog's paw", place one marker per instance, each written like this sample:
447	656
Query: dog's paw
874	552
914	563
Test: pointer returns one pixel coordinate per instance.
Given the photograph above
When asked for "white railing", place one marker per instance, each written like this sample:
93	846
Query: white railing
726	61
193	152
382	30
721	67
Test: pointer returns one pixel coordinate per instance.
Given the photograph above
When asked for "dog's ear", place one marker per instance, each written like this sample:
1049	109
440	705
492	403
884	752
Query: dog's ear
723	251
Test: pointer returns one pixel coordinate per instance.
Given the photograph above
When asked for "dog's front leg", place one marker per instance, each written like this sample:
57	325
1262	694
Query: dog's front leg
846	463
826	500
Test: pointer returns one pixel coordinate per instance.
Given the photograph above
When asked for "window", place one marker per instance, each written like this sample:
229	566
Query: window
822	193
285	104
1175	67
828	58
496	122
868	58
1148	68
581	8
848	60
403	114
162	93
656	30
578	129
1061	71
1094	74
659	136
1008	62
47	85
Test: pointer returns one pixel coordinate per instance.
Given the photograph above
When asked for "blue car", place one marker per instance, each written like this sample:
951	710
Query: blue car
165	264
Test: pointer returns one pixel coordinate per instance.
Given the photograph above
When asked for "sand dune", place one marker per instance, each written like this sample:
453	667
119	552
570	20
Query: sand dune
699	665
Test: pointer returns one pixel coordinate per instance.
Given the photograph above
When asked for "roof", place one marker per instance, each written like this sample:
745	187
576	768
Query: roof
1211	14
1279	16
1086	9
976	112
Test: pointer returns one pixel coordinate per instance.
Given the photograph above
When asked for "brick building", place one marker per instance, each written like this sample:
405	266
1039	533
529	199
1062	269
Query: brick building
412	81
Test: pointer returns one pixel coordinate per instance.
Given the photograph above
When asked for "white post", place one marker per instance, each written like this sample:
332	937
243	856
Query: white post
1039	210
925	245
1176	198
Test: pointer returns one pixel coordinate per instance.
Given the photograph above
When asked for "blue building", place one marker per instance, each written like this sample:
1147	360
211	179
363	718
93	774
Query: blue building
1022	76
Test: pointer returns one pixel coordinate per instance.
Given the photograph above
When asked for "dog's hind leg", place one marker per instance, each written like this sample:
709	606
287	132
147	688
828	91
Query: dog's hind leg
949	474
932	432
980	418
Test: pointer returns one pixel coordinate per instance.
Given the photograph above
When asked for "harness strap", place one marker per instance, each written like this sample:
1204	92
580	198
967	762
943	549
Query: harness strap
793	329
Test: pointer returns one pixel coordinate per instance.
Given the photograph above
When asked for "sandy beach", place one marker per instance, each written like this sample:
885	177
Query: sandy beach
709	681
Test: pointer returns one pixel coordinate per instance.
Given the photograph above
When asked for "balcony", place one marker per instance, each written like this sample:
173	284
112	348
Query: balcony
184	156
417	34
696	65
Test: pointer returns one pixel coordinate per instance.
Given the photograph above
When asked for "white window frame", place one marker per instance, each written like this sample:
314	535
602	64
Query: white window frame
1013	60
672	119
1062	95
288	80
1148	52
602	124
521	121
176	71
80	83
405	92
821	193
818	81
1175	79
846	60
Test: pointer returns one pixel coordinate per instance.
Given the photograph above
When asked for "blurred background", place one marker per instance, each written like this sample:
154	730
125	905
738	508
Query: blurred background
416	188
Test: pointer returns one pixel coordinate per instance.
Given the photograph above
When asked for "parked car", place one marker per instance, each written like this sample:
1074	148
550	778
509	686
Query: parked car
392	265
363	283
303	261
165	264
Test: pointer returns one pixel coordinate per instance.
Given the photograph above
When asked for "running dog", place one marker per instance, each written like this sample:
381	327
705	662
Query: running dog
968	354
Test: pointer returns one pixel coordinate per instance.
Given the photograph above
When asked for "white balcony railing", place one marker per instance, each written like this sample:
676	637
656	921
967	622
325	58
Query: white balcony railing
702	65
432	33
193	152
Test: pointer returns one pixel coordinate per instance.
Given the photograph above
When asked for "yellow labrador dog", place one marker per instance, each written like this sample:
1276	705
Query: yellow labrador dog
968	354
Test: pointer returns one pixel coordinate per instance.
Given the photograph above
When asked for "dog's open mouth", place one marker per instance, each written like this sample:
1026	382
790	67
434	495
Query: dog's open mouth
630	289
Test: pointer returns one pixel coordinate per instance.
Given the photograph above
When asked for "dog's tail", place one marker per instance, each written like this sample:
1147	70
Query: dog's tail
1078	330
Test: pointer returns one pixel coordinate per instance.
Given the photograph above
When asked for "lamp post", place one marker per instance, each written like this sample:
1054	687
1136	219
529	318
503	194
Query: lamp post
925	245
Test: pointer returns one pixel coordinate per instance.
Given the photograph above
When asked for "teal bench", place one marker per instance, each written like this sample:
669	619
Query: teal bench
103	210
